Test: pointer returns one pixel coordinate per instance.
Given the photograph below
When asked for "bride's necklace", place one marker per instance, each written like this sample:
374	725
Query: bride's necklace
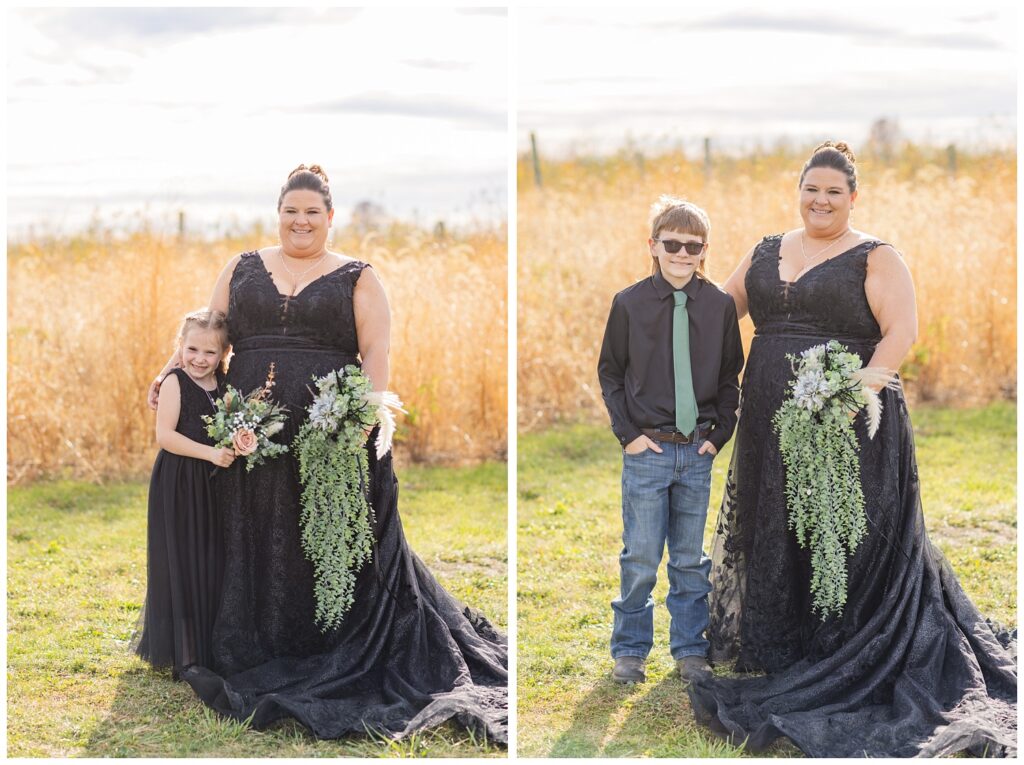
819	253
296	277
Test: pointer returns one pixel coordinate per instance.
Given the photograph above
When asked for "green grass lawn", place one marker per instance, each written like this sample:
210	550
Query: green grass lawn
76	568
569	537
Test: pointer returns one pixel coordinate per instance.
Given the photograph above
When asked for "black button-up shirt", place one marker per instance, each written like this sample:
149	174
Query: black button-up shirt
635	368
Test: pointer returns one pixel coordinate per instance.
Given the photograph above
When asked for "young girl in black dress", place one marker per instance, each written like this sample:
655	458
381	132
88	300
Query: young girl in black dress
184	565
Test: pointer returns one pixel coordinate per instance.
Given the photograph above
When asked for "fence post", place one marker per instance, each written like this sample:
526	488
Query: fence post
181	224
536	159
951	158
707	157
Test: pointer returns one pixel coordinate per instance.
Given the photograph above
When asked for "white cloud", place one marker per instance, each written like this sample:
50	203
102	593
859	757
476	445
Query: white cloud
163	105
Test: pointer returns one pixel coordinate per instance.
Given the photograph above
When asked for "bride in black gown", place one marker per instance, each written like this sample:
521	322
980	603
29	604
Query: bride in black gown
910	668
407	655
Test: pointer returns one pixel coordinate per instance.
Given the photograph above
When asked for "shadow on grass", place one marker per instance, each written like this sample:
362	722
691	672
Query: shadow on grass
153	716
592	718
146	717
650	720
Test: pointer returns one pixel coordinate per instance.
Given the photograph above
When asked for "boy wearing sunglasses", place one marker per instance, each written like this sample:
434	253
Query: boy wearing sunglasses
669	372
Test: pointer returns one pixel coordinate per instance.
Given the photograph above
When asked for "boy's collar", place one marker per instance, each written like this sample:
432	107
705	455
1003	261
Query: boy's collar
663	289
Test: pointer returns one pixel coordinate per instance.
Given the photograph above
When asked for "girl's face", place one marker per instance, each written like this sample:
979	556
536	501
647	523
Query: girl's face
201	352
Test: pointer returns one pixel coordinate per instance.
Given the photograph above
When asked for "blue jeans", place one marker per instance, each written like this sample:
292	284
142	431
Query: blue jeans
664	499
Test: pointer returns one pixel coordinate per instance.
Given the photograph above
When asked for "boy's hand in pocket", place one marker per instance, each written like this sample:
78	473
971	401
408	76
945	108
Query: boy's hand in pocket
642	443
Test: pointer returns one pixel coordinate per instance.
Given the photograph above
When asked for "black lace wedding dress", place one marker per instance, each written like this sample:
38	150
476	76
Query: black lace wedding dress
910	668
407	655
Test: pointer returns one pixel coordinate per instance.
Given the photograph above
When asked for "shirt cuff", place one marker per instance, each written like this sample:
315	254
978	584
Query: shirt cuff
718	438
628	435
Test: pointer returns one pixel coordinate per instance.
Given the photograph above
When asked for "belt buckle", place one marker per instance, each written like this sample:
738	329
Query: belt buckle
672	435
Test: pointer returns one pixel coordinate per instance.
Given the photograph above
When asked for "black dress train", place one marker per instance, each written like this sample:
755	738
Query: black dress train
407	655
910	668
183	547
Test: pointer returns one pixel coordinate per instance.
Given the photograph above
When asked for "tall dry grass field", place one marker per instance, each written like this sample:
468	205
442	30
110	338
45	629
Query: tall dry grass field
582	237
92	319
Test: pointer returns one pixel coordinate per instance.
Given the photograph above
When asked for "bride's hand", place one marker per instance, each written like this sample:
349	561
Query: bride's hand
153	394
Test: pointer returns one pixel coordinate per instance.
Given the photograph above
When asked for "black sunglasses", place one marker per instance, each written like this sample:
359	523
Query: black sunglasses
672	246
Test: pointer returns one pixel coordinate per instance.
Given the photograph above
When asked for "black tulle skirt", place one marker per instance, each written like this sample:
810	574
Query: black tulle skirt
184	568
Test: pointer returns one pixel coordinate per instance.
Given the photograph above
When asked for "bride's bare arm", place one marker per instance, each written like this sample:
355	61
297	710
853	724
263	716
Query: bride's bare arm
218	302
373	327
890	291
736	287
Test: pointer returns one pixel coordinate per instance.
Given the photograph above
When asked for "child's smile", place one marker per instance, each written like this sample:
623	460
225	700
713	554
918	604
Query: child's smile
201	353
677	267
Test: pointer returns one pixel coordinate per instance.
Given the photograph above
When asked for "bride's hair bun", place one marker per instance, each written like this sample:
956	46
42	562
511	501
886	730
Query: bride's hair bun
312	178
314	169
841	146
836	155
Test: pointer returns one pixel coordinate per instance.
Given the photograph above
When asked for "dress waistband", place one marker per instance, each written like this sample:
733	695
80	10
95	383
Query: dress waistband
809	331
289	343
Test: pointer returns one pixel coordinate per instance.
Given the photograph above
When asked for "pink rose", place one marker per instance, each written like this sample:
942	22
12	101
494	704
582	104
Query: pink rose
244	441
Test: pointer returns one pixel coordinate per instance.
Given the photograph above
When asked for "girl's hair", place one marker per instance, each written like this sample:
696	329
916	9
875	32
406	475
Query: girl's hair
671	213
837	156
206	319
311	178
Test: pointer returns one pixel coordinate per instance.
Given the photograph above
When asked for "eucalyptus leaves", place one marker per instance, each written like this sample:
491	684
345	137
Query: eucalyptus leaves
337	533
819	449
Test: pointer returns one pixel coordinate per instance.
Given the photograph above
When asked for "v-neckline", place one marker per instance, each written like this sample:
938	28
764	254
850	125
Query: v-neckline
280	294
800	278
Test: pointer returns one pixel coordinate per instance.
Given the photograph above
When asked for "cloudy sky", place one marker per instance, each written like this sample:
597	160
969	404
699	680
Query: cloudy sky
124	112
745	73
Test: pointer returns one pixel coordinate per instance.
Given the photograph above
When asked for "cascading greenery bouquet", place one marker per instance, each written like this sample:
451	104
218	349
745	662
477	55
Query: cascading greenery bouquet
819	449
336	519
247	423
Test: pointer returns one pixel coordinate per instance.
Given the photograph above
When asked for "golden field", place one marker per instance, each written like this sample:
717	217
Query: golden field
92	319
582	237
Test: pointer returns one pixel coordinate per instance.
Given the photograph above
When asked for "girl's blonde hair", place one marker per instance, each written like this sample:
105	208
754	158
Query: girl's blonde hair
671	213
206	319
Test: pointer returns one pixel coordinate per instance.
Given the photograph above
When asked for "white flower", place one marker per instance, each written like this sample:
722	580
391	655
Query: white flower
811	389
811	359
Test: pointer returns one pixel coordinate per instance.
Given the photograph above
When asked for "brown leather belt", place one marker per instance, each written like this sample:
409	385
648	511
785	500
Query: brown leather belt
675	437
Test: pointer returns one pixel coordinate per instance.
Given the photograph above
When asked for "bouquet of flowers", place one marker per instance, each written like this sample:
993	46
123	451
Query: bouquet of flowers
819	449
247	423
333	465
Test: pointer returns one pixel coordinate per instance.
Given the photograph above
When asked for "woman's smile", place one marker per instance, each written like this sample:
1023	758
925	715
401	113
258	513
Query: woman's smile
304	223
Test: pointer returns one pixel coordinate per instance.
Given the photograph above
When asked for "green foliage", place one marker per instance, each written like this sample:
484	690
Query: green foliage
337	534
819	449
336	518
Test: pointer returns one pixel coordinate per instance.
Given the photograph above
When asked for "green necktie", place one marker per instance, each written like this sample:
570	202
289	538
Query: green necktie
686	404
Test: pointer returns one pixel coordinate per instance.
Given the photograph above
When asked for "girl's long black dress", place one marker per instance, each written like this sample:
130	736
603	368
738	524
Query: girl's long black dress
183	561
407	655
911	667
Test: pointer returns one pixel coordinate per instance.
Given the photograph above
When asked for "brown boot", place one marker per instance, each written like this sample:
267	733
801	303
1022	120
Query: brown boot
629	669
693	667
